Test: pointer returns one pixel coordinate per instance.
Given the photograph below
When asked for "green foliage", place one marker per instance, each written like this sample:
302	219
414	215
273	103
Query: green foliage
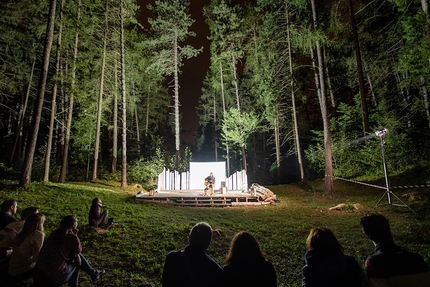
170	28
355	154
146	171
237	127
5	170
184	161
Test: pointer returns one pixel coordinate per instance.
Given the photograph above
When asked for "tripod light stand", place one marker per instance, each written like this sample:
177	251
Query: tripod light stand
388	192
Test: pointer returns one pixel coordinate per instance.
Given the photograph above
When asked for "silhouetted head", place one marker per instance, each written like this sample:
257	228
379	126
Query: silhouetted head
26	212
200	235
34	222
244	248
97	201
68	222
9	206
323	239
376	227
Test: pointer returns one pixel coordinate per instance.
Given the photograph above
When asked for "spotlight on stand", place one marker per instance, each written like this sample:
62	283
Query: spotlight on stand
381	133
388	192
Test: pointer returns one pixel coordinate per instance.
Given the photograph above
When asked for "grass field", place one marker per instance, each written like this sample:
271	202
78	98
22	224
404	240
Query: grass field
133	250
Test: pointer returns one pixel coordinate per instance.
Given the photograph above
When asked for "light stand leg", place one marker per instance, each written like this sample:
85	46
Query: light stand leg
387	182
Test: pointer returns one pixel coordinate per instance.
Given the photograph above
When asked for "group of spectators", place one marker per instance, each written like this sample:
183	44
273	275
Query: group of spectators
25	254
326	265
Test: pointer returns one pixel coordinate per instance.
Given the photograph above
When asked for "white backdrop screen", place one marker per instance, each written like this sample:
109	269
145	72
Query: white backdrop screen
200	170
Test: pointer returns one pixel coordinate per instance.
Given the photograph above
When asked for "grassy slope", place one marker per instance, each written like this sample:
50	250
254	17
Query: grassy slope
133	250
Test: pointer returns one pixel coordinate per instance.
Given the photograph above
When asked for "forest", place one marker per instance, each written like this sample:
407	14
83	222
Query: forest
296	89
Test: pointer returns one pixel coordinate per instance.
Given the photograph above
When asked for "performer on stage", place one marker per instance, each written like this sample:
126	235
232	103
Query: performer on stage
209	182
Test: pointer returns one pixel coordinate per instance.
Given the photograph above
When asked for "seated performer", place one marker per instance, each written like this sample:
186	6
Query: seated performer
210	183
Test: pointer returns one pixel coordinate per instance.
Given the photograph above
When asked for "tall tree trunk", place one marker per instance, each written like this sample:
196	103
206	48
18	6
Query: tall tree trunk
124	106
369	81
215	138
100	101
61	115
277	144
65	159
28	164
316	74
236	84
359	70
147	110
224	110
328	176
136	116
293	99
425	99
176	101
330	88
115	122
425	7
236	89
54	99
21	116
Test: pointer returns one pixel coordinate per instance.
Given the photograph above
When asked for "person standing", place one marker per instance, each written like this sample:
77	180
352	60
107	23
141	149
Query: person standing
192	267
8	210
327	265
391	265
246	265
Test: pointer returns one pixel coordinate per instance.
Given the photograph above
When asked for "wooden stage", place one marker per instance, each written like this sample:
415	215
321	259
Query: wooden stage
198	199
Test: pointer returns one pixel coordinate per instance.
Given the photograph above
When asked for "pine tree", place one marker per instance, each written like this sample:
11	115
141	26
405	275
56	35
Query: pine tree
170	28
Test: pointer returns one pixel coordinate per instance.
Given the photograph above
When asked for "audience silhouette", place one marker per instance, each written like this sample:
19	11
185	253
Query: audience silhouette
192	266
391	265
327	265
60	258
26	247
246	265
8	210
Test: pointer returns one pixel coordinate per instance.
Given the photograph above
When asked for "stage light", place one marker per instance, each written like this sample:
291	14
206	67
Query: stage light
381	133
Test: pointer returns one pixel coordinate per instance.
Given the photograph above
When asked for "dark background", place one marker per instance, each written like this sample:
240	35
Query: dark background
193	71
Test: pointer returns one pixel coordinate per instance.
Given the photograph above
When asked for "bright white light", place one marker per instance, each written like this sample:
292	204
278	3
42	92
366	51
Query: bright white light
381	133
200	170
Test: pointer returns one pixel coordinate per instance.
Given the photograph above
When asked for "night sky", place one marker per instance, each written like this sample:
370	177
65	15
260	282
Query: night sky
193	71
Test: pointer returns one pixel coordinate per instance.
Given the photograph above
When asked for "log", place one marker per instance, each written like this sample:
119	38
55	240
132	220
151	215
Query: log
263	193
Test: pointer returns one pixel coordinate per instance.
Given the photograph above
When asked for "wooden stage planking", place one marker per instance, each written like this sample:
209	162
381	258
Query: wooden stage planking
198	199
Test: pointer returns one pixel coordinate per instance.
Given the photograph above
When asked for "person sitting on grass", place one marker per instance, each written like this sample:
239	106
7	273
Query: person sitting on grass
246	265
11	230
26	247
60	258
192	266
327	265
391	265
96	218
8	210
